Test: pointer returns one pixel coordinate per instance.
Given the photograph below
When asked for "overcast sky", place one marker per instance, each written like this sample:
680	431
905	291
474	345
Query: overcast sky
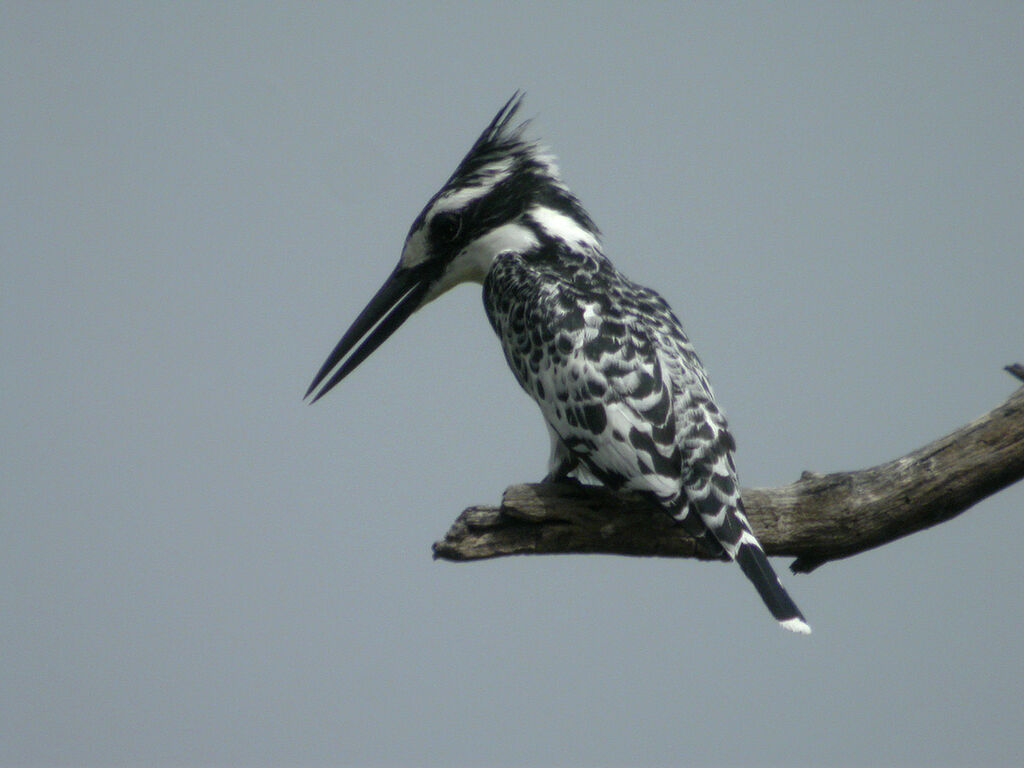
196	568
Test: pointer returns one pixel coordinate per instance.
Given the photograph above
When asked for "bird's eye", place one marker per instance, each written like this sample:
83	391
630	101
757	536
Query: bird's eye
446	227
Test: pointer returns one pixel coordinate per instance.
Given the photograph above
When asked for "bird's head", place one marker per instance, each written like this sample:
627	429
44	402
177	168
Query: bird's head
504	196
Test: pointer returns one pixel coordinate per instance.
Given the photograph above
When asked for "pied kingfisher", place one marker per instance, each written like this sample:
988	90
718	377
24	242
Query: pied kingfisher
624	395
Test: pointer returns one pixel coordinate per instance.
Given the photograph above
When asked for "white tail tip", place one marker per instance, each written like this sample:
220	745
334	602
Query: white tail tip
796	624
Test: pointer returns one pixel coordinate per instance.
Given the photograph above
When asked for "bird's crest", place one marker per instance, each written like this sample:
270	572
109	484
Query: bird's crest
500	141
514	172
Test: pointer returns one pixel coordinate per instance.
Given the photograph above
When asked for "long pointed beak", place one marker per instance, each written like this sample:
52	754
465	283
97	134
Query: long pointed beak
400	296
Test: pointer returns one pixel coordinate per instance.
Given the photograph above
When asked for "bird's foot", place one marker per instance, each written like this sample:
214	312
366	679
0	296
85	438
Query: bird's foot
562	480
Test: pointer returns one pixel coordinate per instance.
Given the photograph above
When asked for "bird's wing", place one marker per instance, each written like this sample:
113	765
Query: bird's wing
610	400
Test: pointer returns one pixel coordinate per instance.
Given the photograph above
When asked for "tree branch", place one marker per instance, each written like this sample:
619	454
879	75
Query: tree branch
816	519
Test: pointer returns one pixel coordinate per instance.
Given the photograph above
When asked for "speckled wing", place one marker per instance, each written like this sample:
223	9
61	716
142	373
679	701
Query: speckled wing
611	404
597	376
706	444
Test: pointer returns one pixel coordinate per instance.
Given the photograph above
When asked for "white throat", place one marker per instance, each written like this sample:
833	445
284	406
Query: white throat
474	261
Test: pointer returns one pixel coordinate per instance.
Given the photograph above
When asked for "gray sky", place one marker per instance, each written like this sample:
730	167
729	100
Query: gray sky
195	201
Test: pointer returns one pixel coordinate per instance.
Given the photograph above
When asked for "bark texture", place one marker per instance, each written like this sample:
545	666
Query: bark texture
816	519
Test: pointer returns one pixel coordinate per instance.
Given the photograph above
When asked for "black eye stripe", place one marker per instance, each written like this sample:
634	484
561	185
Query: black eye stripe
446	227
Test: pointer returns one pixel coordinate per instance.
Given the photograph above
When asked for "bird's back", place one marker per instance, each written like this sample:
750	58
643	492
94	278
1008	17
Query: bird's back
611	368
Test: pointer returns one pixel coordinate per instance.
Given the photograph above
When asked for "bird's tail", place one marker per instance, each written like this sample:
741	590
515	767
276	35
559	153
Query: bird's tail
728	524
755	565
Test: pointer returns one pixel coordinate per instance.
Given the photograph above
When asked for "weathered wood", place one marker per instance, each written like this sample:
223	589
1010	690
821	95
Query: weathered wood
816	519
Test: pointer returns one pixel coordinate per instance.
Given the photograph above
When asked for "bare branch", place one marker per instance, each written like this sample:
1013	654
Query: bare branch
816	519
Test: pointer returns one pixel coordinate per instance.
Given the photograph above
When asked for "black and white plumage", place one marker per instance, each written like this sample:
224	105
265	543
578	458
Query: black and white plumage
624	395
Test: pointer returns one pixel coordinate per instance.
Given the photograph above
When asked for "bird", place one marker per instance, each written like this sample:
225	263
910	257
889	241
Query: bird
626	400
